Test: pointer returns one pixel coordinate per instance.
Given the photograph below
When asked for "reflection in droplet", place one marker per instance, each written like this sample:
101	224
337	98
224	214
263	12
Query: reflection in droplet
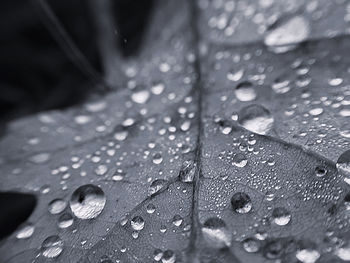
52	247
256	118
216	233
87	201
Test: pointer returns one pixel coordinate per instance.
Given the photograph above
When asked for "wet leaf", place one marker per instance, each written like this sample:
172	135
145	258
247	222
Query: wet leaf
220	145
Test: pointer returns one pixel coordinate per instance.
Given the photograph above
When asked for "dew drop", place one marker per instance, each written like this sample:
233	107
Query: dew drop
343	164
140	97
251	245
256	118
240	160
177	220
25	231
241	203
187	171
52	247
157	158
320	171
216	233
285	35
245	91
87	201
65	220
281	216
156	186
137	223
57	206
307	255
168	257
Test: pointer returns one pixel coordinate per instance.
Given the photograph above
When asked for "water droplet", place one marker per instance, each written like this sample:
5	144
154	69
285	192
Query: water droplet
137	223
240	160
140	97
344	252
216	233
307	255
168	256
87	201
150	208
316	111
177	220
82	119
157	254
245	91
52	247
251	245
120	135
281	86
281	216
56	206
156	186
40	158
65	220
241	203
157	158
187	171
343	163
25	231
157	89
256	118
286	34
320	171
235	76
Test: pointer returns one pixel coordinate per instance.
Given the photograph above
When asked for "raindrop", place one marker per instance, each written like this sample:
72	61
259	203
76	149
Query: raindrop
216	233
87	201
251	245
235	76
157	254
57	206
320	171
281	216
140	97
240	160
157	158
168	257
177	220
150	208
25	231
343	163
65	220
307	255
120	135
241	203
245	91
286	34
137	223
52	247
187	171
156	186
256	118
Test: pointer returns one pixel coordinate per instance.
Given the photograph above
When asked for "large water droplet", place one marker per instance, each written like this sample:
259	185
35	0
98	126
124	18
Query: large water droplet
256	118
286	34
52	247
241	203
87	201
216	233
281	216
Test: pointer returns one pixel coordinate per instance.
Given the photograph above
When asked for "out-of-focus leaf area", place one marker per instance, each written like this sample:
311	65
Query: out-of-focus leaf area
175	131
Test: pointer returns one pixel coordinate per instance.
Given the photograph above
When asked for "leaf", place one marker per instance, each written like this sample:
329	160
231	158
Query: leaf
220	148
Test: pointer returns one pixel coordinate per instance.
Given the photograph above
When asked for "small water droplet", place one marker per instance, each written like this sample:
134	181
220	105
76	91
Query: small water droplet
251	245
25	231
241	203
240	160
140	97
52	247
307	255
65	220
56	206
177	220
156	186
157	158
